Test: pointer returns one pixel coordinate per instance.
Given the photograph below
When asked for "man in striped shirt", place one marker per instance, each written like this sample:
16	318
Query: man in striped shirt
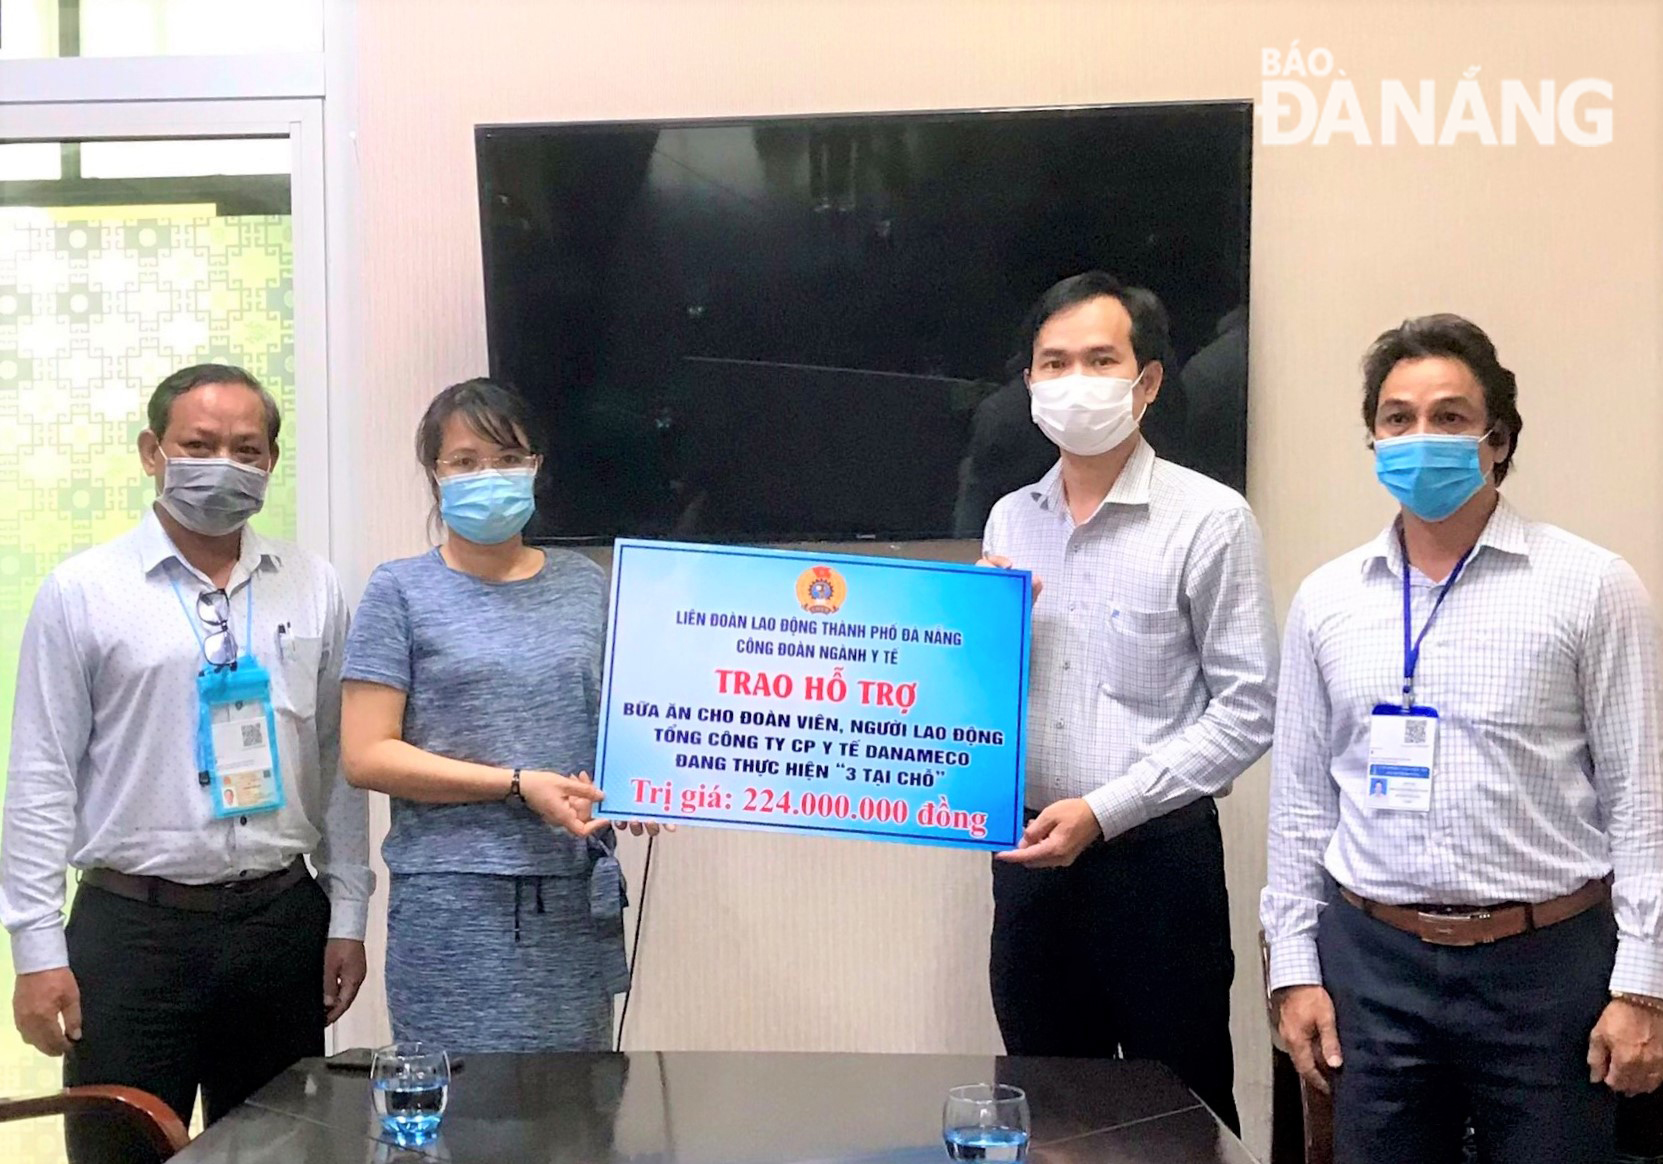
1154	652
1465	900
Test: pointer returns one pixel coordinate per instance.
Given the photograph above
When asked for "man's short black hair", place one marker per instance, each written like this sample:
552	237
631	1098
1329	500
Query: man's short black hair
1454	338
1151	337
160	410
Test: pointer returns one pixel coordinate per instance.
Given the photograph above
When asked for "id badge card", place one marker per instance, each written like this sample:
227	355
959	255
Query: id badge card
237	739
1403	744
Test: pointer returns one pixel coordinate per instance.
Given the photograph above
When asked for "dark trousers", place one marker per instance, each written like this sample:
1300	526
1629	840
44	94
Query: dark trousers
173	1000
1640	1127
1435	1035
1125	953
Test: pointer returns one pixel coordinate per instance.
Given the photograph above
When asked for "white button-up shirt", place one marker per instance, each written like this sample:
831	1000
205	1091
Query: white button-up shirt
1152	672
1542	666
103	765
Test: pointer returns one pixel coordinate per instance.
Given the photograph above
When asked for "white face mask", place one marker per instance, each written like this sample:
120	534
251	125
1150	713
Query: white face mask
1084	415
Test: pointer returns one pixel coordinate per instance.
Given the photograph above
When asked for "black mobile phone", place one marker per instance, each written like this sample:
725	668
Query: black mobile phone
356	1061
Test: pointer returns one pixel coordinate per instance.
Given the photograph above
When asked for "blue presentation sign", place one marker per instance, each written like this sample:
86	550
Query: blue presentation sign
815	693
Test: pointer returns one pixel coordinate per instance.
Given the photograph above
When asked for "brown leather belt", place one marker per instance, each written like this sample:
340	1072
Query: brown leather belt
223	896
1478	925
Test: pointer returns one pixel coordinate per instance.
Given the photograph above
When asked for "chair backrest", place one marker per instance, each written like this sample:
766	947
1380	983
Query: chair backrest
1315	1109
1319	1124
148	1128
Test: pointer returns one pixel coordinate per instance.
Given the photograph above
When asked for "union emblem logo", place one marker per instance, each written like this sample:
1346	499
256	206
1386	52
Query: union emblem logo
821	590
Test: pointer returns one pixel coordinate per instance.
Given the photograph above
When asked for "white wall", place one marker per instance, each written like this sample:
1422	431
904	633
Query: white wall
753	942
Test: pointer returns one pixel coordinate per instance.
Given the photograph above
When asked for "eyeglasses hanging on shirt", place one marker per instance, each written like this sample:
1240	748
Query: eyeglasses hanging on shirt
219	646
236	723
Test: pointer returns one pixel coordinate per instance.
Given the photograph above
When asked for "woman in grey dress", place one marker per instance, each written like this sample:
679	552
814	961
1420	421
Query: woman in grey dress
472	689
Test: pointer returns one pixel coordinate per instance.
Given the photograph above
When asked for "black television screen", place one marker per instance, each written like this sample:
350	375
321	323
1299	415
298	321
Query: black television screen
787	329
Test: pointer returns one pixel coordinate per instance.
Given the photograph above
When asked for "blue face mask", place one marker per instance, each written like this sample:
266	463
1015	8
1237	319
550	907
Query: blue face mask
487	507
1430	475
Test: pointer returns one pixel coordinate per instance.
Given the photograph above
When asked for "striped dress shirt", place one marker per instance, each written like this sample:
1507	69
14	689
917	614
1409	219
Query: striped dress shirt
1152	673
103	768
1542	665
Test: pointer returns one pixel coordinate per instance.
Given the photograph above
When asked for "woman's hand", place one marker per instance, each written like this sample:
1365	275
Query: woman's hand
565	802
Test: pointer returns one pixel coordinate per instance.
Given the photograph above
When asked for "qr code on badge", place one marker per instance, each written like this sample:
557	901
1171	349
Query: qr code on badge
1414	732
254	734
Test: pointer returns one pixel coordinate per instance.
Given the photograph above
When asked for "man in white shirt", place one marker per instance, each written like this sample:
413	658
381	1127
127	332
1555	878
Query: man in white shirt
1465	900
1151	690
175	739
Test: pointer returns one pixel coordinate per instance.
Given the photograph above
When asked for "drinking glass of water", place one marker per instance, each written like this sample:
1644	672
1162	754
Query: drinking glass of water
986	1121
410	1083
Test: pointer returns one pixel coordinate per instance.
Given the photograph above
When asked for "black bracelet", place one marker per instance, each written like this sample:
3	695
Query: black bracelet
514	789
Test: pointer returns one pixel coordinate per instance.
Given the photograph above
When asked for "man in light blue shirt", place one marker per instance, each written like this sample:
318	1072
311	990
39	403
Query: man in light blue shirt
1465	899
201	952
1151	690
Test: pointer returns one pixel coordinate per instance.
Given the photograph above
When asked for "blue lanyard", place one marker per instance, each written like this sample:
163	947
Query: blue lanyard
1411	647
201	643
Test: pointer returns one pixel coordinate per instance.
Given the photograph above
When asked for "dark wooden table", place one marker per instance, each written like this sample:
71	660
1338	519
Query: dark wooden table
730	1108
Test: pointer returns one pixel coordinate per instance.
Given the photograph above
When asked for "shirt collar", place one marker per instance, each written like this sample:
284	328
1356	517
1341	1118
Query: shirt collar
155	548
1506	532
1130	488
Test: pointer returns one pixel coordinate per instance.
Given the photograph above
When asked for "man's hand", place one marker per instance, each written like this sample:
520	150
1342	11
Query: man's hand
565	802
39	1001
343	973
1625	1050
1305	1020
1000	562
1056	836
637	827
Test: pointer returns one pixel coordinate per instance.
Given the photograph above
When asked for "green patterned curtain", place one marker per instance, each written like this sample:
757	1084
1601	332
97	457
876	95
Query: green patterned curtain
97	305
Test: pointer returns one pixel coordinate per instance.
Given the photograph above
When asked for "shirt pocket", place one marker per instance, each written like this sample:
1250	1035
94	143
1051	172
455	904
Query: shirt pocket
1143	654
294	681
1518	680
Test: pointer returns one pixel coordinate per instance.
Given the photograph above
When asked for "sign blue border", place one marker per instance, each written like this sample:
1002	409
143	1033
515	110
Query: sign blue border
636	559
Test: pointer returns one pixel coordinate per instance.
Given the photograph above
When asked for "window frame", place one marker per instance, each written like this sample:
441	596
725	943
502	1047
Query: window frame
301	122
